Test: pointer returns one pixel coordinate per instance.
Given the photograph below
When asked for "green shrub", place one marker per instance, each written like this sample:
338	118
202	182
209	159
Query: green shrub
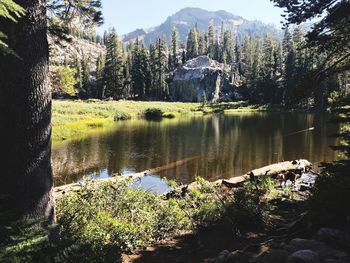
118	216
169	115
122	116
63	80
153	114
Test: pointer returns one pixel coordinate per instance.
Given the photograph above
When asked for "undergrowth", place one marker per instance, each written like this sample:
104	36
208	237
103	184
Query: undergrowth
103	220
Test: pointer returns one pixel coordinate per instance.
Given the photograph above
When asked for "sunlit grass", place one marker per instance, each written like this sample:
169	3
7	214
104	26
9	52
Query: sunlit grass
73	119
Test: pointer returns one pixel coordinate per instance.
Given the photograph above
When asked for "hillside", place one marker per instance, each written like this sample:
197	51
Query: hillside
186	18
66	51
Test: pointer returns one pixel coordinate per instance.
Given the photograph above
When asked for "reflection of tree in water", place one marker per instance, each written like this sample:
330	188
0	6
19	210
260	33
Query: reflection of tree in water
227	146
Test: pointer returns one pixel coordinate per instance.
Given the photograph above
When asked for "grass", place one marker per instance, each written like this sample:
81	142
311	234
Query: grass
74	119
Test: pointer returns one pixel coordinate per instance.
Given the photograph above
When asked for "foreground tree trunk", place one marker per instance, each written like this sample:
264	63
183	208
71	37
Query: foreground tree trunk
25	106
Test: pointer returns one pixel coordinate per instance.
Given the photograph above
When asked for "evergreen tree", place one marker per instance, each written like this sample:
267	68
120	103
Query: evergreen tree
85	76
140	71
174	48
113	72
227	48
153	54
79	75
212	42
202	44
161	84
100	63
268	79
192	44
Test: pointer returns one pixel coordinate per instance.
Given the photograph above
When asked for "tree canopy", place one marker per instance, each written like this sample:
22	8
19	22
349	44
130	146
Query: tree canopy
330	34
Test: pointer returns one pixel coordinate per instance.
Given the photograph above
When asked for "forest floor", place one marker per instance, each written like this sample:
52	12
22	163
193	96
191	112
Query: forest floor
73	119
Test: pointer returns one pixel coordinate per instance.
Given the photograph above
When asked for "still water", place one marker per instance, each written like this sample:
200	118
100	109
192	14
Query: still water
216	146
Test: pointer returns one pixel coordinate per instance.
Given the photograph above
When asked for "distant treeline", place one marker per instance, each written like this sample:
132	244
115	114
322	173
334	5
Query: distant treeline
270	70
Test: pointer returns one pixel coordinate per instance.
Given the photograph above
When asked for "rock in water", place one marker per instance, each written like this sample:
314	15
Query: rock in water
201	79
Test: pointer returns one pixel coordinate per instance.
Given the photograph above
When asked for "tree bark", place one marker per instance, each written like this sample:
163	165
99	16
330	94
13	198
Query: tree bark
25	106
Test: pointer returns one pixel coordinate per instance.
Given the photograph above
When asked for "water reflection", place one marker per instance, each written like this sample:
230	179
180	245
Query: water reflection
226	146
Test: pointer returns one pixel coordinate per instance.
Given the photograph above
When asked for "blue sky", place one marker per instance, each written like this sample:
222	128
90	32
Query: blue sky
128	15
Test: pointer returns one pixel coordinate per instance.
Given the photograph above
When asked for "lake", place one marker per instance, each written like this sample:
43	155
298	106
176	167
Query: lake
213	146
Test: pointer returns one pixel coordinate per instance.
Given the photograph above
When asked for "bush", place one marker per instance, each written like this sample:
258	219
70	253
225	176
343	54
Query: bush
121	116
64	80
169	115
153	114
118	216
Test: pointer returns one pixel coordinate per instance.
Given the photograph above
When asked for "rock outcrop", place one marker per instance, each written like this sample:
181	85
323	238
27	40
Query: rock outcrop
202	79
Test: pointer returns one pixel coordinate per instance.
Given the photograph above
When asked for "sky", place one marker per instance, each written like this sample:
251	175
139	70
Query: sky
127	15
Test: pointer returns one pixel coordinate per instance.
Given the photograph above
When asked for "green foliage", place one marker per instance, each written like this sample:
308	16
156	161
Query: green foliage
12	11
169	115
64	80
122	116
119	216
104	219
153	114
113	71
249	206
204	203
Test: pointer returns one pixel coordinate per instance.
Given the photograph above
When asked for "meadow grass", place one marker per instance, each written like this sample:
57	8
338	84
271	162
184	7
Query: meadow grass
74	119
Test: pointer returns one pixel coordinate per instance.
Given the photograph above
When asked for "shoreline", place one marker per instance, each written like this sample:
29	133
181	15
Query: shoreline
74	119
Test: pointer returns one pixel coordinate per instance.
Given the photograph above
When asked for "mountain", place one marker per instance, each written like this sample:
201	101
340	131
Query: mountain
186	19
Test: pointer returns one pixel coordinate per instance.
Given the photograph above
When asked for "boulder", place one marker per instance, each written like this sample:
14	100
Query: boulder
202	79
302	244
304	256
334	238
274	256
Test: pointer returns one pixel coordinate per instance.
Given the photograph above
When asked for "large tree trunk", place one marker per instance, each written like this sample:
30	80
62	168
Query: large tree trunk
25	106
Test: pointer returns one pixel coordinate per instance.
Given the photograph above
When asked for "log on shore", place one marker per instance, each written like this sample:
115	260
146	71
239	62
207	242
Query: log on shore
60	190
272	171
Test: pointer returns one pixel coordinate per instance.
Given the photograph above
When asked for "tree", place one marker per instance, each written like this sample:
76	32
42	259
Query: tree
174	47
100	64
26	177
330	38
329	34
212	42
25	103
161	85
113	72
140	71
192	44
85	76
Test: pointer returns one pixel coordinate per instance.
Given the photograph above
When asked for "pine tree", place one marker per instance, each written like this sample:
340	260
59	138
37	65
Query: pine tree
268	79
78	70
140	71
174	48
202	44
85	76
100	63
153	54
192	44
161	84
212	42
113	72
227	48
